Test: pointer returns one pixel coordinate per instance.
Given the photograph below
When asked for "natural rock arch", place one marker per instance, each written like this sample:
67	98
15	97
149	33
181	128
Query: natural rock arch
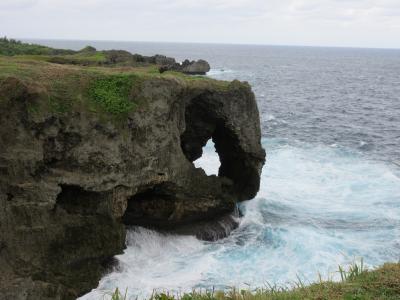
206	118
71	181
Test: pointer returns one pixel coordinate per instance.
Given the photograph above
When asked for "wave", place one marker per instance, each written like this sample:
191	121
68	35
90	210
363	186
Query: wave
318	206
219	72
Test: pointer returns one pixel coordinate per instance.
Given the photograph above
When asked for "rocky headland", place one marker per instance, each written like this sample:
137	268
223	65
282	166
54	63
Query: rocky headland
88	149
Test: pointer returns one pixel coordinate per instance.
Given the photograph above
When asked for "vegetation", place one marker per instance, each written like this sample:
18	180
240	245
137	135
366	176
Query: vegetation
86	56
356	284
11	47
81	58
107	83
113	92
63	88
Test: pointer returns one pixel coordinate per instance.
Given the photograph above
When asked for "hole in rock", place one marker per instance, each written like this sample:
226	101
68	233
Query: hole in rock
209	161
203	122
76	200
151	206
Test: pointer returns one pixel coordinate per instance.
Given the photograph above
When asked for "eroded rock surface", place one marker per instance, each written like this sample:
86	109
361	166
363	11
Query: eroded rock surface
71	181
199	67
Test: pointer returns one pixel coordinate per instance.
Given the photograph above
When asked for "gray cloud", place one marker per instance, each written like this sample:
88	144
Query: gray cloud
308	22
16	4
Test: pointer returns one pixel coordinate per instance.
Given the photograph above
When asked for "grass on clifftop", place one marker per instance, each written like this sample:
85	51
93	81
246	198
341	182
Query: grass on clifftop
63	88
68	80
109	89
11	47
356	284
81	58
113	93
86	56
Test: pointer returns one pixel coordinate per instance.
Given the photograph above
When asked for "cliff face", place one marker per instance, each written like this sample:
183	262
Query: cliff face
78	163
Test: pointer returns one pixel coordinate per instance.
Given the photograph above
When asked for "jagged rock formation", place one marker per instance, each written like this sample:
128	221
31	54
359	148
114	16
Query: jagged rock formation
85	57
72	177
200	67
121	57
89	56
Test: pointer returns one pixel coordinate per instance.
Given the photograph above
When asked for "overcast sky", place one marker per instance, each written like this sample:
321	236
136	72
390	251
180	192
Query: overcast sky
358	23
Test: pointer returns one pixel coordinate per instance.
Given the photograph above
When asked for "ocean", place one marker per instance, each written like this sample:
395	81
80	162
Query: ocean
330	189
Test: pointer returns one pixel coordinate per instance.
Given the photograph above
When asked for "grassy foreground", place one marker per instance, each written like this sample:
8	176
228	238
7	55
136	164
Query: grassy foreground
356	284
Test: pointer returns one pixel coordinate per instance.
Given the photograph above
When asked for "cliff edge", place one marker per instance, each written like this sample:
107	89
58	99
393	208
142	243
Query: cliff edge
85	151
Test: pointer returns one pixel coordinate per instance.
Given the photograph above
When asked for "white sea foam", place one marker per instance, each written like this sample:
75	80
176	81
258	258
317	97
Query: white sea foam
318	207
270	118
219	72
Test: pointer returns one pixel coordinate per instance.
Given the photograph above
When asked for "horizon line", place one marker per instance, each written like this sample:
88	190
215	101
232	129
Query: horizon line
204	43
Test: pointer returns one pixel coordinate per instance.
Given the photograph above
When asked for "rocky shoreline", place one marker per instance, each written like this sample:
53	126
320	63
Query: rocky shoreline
85	152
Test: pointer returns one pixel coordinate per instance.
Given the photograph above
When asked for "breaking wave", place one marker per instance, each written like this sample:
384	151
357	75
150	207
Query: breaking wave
319	206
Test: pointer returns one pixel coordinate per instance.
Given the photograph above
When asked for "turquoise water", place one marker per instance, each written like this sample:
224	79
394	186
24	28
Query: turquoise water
318	207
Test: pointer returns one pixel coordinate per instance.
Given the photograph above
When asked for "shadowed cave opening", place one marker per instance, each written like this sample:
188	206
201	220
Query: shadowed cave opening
158	207
151	206
204	121
76	200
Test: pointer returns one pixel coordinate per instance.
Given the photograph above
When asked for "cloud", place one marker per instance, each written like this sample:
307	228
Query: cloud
317	22
16	4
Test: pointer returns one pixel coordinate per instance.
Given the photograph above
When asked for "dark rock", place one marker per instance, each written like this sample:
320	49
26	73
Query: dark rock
160	60
210	230
71	181
200	67
121	57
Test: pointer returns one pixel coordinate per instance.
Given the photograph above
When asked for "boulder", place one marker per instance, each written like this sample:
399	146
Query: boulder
163	60
200	67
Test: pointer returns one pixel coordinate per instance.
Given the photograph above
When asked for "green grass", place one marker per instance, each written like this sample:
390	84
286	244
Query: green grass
95	56
11	47
113	93
357	283
110	92
81	58
87	56
64	88
22	60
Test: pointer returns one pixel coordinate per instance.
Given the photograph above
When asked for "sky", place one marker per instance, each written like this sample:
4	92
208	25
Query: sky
343	23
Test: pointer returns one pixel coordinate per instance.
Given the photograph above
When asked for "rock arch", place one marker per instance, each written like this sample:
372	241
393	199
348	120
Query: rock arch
208	116
68	180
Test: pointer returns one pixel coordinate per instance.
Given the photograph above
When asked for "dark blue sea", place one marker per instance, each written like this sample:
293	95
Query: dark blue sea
330	190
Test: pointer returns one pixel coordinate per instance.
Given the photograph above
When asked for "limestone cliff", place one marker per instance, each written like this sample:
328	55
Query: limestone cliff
83	152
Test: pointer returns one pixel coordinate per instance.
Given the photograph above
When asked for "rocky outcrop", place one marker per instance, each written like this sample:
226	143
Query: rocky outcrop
122	58
70	180
200	67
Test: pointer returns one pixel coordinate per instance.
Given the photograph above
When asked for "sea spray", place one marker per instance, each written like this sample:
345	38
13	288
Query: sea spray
318	207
